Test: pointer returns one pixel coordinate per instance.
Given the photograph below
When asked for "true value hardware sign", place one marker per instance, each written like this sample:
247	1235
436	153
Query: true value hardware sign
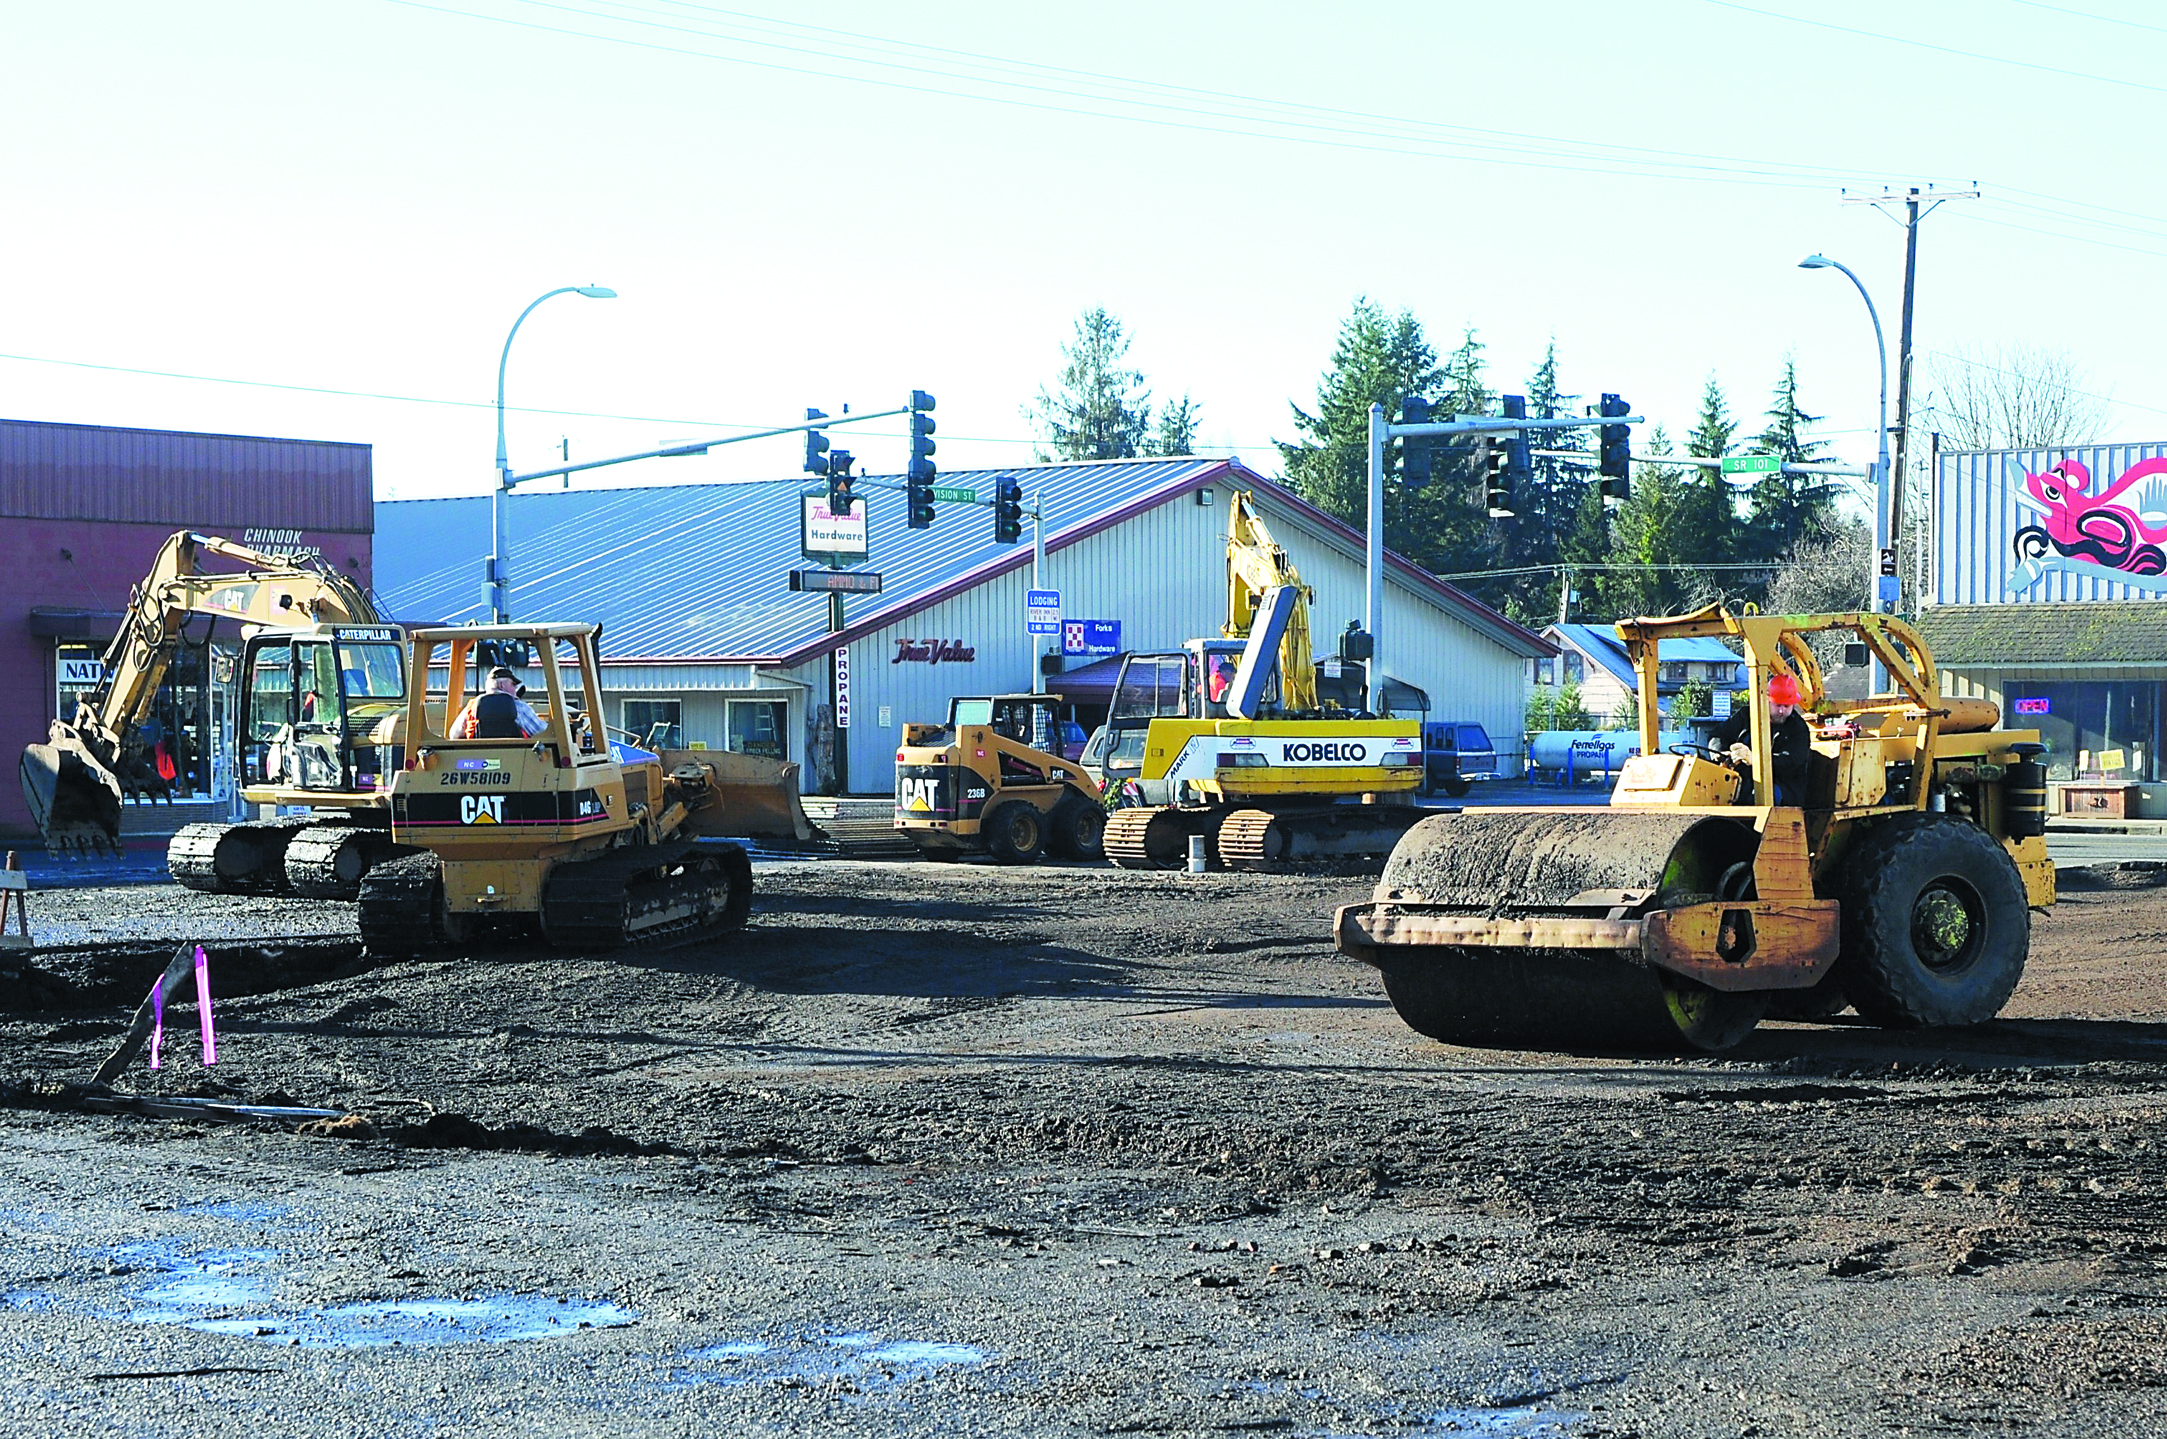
824	535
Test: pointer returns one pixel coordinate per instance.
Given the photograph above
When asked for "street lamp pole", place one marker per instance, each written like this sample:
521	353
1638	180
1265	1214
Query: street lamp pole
499	578
1875	599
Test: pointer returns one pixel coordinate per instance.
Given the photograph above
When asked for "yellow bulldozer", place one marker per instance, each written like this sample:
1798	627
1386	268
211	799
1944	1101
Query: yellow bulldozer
1695	905
591	838
978	784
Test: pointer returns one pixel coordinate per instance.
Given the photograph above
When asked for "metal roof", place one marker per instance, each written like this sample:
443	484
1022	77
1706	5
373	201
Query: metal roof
223	483
697	571
1601	644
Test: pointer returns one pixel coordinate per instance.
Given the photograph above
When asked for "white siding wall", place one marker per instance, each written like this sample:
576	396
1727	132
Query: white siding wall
1163	575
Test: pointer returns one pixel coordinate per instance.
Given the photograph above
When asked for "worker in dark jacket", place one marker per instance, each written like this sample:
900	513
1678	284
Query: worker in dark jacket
1789	738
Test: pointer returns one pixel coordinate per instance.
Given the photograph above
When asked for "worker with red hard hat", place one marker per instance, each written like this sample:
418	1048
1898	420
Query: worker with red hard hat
1790	739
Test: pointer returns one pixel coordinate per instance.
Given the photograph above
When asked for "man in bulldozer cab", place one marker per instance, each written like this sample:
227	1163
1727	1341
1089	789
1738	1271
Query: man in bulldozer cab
497	712
1790	741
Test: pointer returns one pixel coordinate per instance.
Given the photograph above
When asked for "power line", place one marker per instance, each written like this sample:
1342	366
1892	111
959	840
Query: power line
1940	49
1573	161
2088	15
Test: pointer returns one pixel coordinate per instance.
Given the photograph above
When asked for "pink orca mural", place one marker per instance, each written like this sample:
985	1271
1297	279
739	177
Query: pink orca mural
2115	532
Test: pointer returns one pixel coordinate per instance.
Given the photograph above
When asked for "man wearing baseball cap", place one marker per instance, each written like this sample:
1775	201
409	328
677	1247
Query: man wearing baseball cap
1789	738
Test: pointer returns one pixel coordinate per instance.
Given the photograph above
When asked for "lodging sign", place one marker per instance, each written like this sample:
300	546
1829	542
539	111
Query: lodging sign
1042	612
2084	523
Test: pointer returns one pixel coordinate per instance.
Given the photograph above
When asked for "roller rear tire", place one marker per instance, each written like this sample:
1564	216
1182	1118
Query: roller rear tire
1936	924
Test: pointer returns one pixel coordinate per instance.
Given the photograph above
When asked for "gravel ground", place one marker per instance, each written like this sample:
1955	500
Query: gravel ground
936	1149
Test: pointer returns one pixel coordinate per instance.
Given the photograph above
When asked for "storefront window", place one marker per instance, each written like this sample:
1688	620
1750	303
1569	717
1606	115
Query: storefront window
177	738
756	727
656	723
2103	730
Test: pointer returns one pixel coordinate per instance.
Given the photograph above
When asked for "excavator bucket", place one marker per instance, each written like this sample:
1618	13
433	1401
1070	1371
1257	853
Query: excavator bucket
738	795
74	800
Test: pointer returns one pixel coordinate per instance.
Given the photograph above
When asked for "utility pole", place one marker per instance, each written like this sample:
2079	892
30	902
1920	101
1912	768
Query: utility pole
1910	199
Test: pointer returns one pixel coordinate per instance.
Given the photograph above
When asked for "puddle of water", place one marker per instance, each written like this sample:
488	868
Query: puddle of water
1521	1423
865	1359
243	1211
421	1323
230	1291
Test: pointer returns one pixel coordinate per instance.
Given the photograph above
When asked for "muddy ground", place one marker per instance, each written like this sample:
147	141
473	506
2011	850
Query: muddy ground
944	1149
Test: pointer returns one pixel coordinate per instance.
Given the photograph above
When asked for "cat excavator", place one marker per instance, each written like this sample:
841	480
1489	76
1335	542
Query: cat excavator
1227	738
317	720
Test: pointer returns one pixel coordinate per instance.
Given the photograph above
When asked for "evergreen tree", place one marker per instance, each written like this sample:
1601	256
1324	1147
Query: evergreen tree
1380	359
1706	519
1176	433
1547	506
1787	509
1646	533
1101	411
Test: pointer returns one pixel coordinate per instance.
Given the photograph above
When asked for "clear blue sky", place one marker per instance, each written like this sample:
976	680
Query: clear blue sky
826	203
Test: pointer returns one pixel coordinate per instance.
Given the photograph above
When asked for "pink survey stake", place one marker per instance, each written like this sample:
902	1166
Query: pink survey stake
203	1007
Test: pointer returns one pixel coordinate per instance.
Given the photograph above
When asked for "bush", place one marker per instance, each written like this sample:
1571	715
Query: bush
1696	698
1541	705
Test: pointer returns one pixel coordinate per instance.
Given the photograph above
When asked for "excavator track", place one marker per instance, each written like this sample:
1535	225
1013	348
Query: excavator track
1507	863
1260	839
247	858
402	907
327	861
647	895
1151	836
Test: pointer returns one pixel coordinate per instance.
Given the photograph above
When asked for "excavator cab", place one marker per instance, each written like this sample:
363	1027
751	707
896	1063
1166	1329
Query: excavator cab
320	710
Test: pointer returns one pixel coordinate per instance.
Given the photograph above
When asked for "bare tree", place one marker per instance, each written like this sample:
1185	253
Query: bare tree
2014	396
1826	574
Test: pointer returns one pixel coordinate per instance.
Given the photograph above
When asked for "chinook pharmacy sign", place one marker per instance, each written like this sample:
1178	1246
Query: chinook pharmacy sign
2083	523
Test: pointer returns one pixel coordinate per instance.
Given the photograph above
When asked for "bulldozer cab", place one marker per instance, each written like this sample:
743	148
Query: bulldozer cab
319	711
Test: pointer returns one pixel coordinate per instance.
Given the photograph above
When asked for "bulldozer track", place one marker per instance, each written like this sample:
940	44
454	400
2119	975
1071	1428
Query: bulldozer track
1152	837
327	861
401	901
193	854
648	895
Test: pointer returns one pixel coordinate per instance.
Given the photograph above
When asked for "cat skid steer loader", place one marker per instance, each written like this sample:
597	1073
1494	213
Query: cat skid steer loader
977	785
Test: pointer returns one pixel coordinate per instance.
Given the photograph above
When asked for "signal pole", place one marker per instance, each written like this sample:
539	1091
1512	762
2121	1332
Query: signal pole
1910	199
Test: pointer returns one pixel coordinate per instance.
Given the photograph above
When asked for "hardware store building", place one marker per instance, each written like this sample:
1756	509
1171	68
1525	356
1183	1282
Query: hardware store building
702	635
2048	572
87	508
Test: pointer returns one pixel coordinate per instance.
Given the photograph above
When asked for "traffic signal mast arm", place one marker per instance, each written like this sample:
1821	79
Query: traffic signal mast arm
701	447
1493	426
1712	463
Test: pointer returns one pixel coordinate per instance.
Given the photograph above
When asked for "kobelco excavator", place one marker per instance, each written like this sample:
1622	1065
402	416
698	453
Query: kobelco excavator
1226	738
1694	904
322	686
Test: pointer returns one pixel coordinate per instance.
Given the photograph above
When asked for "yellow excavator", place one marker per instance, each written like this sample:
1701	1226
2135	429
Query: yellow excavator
317	723
589	837
1226	738
1695	905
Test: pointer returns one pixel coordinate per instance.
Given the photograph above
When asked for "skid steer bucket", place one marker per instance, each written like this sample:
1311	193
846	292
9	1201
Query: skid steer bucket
743	795
73	799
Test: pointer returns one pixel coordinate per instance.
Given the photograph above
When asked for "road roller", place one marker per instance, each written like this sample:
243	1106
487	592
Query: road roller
1694	905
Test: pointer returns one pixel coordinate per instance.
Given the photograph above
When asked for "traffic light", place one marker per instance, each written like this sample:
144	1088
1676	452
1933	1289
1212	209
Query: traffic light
1511	463
816	446
918	478
839	496
1617	449
1415	450
1007	511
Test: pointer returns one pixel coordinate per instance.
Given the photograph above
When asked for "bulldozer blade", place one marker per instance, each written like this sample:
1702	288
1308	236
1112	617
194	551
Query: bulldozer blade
747	796
74	800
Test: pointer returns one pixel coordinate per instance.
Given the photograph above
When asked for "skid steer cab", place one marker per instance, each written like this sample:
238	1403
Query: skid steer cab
989	782
1694	904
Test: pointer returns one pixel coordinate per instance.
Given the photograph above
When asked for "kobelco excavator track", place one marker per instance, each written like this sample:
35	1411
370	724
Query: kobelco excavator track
1152	836
1267	839
1461	914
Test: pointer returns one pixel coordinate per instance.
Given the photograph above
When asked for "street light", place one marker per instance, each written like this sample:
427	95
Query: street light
1874	599
499	580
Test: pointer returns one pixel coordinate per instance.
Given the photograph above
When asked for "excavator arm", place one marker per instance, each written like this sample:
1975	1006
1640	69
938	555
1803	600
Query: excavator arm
1262	588
74	782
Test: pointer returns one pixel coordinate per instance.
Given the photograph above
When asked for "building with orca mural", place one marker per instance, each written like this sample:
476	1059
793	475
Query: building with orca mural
2047	594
